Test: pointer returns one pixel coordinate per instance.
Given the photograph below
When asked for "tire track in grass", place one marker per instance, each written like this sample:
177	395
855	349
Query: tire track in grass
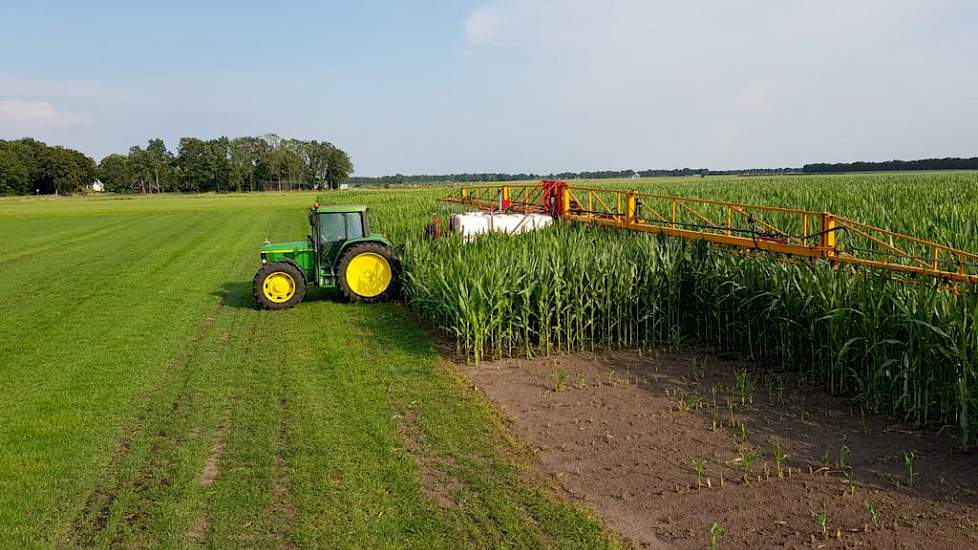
248	503
169	502
251	504
213	466
164	437
51	430
283	503
174	481
90	525
203	267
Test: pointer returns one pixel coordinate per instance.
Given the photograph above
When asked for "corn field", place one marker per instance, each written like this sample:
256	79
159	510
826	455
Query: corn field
906	348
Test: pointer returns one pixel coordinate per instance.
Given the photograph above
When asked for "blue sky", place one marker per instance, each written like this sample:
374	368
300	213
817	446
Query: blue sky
503	85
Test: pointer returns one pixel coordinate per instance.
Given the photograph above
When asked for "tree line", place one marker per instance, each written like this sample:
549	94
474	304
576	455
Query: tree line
28	166
950	163
250	163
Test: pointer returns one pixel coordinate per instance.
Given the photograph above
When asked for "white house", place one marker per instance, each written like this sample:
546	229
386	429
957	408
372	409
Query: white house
98	186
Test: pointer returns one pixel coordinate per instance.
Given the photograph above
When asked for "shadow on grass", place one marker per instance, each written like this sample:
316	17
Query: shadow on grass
238	294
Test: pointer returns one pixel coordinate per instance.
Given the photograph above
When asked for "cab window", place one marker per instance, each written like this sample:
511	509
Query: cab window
332	227
354	225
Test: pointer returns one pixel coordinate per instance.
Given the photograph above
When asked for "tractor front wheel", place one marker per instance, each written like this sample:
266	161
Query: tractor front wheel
368	272
279	285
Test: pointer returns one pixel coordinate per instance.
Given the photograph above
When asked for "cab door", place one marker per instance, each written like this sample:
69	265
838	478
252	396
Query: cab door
335	229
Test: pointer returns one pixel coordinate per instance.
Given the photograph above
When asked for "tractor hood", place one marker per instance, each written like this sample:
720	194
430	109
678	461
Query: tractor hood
296	246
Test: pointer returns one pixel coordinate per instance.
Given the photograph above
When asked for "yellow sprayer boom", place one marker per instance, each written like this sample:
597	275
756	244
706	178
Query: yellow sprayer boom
786	231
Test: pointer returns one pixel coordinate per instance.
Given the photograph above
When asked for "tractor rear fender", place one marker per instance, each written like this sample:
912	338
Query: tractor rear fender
372	238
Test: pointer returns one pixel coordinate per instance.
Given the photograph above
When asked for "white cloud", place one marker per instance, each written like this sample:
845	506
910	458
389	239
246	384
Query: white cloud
483	25
24	115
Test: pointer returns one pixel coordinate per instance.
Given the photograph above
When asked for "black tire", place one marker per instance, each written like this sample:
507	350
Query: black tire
368	248
258	285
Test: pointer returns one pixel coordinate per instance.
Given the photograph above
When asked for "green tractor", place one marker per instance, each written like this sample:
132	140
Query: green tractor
340	252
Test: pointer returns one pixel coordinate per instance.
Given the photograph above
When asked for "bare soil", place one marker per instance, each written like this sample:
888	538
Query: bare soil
623	432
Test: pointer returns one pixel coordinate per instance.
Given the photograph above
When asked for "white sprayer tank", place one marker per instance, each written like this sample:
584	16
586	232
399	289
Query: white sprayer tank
471	224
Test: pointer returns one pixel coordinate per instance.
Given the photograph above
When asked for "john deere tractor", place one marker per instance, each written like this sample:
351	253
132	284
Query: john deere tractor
340	252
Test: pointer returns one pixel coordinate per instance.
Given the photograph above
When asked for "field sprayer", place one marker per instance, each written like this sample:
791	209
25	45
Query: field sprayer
793	234
339	252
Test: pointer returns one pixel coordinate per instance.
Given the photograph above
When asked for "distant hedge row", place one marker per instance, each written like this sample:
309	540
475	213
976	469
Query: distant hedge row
951	163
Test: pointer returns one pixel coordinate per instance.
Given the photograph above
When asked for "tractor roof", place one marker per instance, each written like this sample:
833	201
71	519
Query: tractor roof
333	208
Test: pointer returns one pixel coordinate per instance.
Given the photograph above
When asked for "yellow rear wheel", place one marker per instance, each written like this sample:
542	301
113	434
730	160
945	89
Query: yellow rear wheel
367	273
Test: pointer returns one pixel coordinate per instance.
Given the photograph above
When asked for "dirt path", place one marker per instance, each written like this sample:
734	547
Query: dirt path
623	435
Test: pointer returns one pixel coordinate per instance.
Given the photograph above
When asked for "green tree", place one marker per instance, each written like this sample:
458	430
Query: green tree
113	171
14	175
29	155
159	163
316	157
286	164
340	168
244	155
67	171
140	168
204	165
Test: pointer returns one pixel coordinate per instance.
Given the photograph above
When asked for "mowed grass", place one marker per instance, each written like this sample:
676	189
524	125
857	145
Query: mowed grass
146	403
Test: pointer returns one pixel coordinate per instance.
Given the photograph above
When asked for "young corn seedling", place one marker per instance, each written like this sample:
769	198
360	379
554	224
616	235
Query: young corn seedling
843	454
579	382
716	533
779	456
872	513
827	459
559	378
746	456
682	406
699	466
743	432
745	387
910	461
822	520
850	488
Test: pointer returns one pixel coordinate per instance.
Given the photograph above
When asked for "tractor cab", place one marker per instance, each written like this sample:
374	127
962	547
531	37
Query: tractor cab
332	226
340	252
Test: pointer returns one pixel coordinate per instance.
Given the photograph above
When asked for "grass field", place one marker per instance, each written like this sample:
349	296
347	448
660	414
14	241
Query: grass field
146	403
